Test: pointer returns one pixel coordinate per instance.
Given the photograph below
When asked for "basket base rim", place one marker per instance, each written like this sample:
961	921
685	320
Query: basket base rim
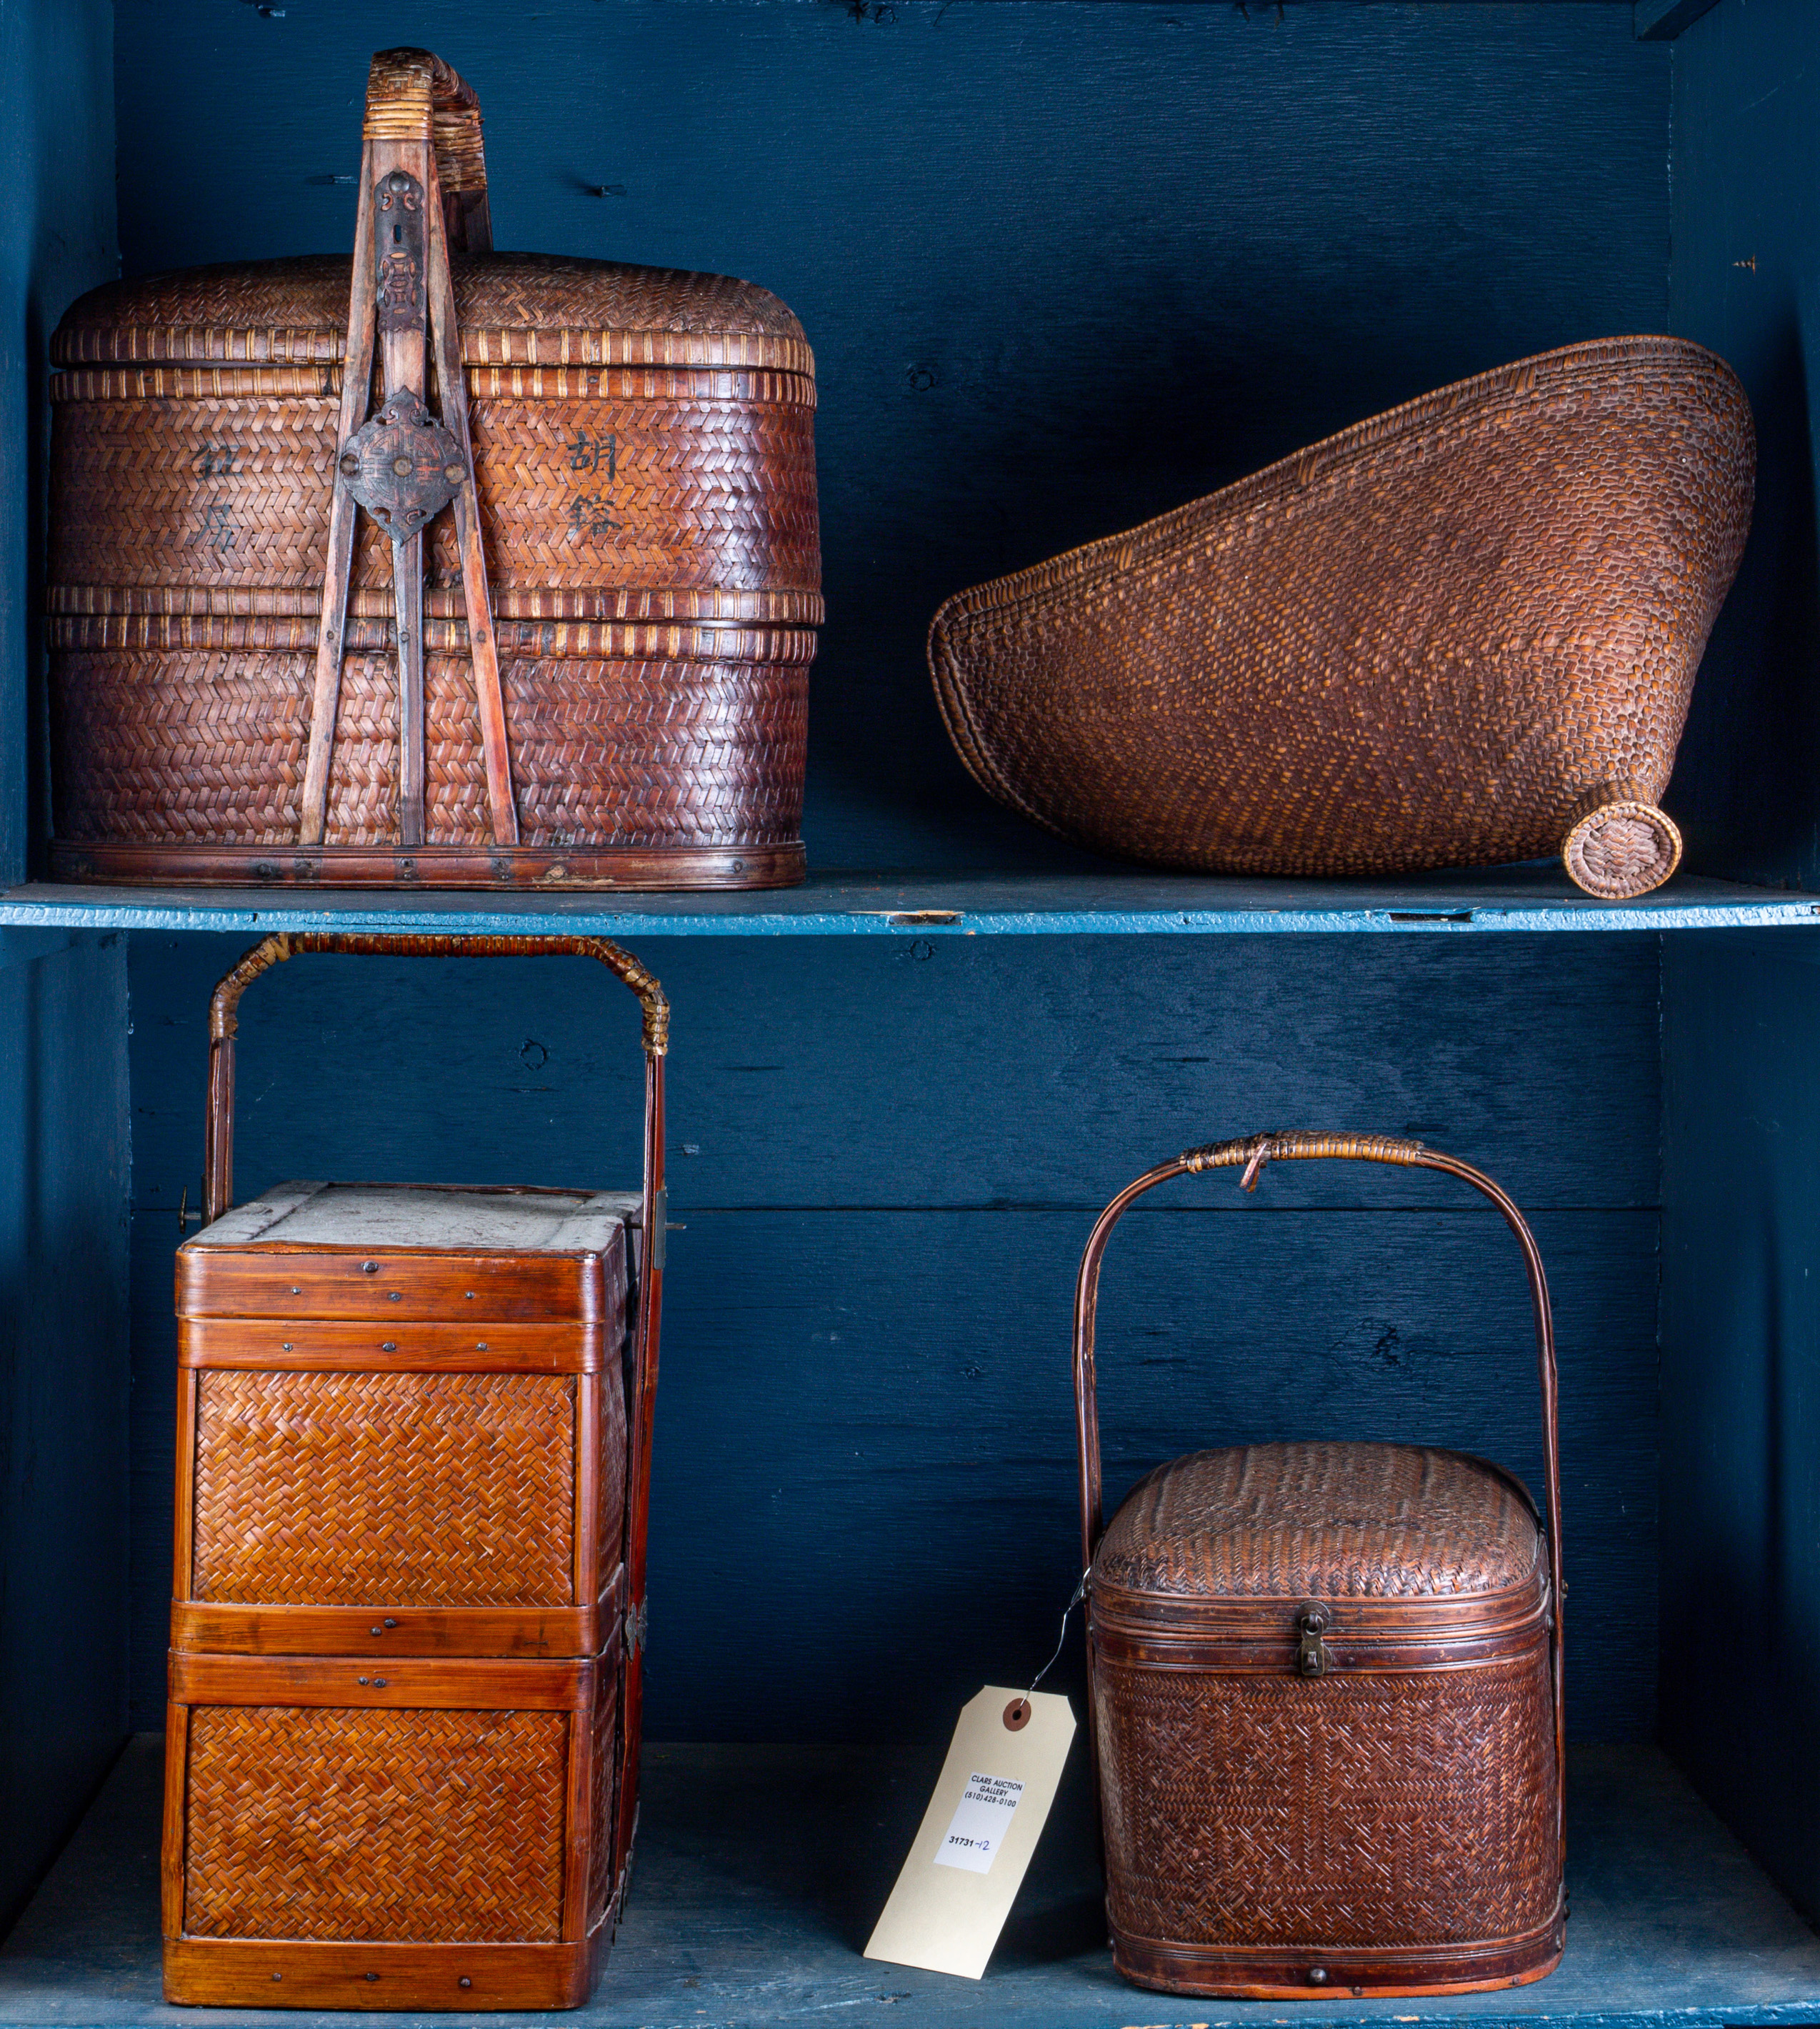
527	868
1276	1972
243	1972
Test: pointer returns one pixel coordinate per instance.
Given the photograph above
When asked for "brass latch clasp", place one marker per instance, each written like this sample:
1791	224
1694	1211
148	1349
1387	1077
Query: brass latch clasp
1313	1657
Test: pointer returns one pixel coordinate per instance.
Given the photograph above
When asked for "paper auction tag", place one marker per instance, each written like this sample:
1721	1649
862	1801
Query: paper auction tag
978	1834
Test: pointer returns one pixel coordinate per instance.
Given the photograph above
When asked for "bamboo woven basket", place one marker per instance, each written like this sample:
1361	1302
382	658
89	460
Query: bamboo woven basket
1325	1682
1462	633
452	568
412	1514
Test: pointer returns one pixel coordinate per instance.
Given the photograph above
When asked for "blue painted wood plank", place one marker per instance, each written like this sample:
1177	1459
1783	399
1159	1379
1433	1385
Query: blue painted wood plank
912	1073
1740	1338
863	1480
897	904
833	1106
63	1144
65	1165
1661	20
864	1471
1746	151
760	1870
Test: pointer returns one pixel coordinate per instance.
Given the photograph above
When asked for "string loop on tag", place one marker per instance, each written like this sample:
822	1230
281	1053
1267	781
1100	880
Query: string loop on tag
1017	1712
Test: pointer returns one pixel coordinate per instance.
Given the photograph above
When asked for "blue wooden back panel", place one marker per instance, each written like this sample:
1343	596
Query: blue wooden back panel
65	1144
1740	1569
887	1155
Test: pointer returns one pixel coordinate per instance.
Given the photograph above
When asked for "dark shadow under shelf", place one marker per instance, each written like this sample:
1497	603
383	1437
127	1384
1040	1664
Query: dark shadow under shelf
1122	903
759	1870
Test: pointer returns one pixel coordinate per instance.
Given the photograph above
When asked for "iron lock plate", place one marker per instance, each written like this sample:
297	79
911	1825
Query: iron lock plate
402	466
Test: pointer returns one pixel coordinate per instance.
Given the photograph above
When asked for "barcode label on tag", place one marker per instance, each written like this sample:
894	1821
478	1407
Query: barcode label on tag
978	1826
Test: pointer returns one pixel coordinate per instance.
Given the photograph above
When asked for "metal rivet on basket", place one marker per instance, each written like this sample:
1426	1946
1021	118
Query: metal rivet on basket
373	1976
480	1345
390	1622
1316	1975
388	1345
366	1680
366	1268
295	1291
278	1976
378	1631
394	1296
466	1981
289	1347
470	1294
379	1685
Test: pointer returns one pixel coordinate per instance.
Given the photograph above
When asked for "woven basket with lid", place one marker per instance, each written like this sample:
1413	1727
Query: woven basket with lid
1325	1683
643	464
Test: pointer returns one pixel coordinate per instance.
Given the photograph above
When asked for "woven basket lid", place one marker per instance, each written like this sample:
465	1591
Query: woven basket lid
513	309
1321	1521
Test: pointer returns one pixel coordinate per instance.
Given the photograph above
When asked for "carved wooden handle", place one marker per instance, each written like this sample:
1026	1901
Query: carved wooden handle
412	96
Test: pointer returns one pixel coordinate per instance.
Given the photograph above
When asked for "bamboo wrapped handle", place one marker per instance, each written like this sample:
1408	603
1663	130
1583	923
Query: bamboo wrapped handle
224	1025
1254	1151
412	96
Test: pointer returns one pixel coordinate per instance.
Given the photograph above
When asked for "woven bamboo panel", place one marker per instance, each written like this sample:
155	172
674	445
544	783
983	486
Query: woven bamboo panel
619	384
199	746
575	494
525	307
627	603
1355	1809
605	1722
1419	644
611	1524
644	454
587	641
404	1489
336	1824
1320	1521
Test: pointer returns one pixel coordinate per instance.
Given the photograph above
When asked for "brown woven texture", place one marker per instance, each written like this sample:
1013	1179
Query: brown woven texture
643	442
234	493
198	747
1357	1809
1421	642
407	1490
1320	1521
342	1823
611	1523
511	306
606	1724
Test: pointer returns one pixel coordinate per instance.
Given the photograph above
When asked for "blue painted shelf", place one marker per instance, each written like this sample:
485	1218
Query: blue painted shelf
760	1870
857	904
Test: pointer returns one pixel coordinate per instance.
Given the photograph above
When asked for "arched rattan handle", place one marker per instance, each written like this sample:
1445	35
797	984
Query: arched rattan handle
1249	1155
412	96
223	1024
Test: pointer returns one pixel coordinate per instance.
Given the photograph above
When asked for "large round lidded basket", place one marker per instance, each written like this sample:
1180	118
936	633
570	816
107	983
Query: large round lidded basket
527	596
1462	633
